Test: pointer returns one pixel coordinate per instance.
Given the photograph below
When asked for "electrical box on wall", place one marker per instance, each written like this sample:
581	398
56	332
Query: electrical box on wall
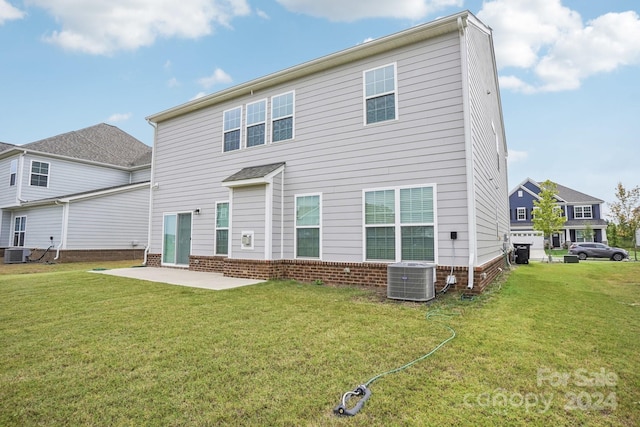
247	240
454	235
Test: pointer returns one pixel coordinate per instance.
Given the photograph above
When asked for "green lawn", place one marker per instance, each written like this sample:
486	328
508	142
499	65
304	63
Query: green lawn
552	345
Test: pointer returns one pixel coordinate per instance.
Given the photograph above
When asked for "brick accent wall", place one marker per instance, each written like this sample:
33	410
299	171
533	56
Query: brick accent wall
87	255
333	273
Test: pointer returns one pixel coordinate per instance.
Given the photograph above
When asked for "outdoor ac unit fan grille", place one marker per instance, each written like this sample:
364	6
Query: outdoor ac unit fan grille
15	255
410	281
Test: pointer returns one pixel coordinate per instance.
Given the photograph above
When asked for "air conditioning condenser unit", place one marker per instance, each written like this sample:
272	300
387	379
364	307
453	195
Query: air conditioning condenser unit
16	255
411	281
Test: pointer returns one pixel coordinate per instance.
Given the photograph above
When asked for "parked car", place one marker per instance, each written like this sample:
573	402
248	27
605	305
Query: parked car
597	250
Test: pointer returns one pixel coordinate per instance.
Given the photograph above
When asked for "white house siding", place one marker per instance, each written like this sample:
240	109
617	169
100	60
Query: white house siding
42	223
114	221
5	229
8	193
333	152
66	177
490	178
277	216
248	215
141	175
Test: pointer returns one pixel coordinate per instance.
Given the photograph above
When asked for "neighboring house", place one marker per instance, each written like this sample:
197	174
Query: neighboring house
583	212
392	150
82	195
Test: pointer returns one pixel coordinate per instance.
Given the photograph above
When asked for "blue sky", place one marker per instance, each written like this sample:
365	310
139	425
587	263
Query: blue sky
569	69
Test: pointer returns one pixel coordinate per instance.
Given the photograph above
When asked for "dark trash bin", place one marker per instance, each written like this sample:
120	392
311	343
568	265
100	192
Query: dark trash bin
522	253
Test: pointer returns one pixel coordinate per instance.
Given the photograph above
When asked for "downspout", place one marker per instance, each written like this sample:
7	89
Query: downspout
468	142
152	187
63	231
282	215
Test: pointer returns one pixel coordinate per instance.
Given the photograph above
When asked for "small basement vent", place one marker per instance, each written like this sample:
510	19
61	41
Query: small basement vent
412	281
16	255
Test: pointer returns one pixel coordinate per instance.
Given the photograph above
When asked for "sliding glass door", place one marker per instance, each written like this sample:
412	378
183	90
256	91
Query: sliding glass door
176	244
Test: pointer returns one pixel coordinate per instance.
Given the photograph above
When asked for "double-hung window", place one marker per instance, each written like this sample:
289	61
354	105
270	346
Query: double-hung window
380	94
19	230
282	111
256	123
399	224
308	215
232	122
521	214
39	174
582	212
13	172
222	228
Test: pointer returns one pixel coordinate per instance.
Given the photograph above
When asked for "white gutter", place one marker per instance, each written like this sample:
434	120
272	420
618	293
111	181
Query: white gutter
152	187
19	173
468	142
63	231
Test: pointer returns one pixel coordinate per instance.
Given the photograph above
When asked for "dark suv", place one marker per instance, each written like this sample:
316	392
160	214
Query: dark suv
597	250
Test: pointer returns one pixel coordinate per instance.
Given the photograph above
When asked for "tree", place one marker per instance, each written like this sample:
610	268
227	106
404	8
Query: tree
588	232
548	217
626	212
612	233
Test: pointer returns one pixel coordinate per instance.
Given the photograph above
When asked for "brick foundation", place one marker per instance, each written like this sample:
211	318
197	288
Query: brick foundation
333	273
87	255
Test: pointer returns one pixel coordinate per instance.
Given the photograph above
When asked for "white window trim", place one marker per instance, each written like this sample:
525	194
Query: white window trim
216	228
394	91
296	227
519	211
292	115
582	208
164	214
13	173
23	232
31	173
248	125
398	224
519	193
224	131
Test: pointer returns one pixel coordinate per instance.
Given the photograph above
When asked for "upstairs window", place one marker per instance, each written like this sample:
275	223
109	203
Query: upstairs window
13	172
521	214
39	174
582	212
282	110
380	94
232	122
256	123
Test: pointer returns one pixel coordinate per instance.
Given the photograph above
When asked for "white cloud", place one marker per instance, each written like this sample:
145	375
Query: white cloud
173	82
119	117
552	42
102	27
198	95
9	12
218	77
517	156
262	14
352	10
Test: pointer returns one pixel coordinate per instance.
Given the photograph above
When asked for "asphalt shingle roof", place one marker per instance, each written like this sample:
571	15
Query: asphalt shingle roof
573	196
101	143
253	172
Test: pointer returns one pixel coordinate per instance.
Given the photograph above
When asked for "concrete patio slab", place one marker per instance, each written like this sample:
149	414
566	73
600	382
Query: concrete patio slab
182	277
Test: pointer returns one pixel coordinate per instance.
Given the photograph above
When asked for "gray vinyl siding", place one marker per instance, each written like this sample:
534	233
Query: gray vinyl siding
333	152
112	221
7	193
42	222
490	183
66	177
248	214
6	227
277	217
141	175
